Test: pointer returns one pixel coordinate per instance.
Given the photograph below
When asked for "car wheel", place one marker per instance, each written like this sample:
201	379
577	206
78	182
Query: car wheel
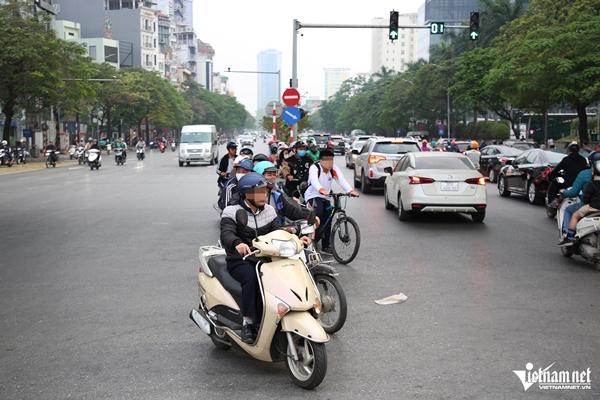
502	187
402	214
492	175
365	186
533	194
188	163
478	217
388	205
356	181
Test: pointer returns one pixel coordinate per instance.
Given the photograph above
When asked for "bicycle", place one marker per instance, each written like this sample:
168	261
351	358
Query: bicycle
343	230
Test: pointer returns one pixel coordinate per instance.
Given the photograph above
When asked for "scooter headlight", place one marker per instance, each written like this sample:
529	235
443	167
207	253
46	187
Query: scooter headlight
286	248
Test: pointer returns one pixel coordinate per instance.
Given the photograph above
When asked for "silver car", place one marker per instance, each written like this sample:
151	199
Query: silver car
354	149
377	154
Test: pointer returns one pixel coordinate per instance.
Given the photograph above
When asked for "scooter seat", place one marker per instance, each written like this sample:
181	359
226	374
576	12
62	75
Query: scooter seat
218	266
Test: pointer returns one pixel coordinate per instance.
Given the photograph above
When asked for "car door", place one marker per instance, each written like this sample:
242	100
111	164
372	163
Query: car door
362	159
517	178
404	171
394	180
484	159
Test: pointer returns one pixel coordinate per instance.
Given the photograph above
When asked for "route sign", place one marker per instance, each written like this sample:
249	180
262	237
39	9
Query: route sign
291	115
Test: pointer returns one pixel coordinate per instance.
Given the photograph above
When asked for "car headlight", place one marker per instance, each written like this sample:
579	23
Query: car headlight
286	248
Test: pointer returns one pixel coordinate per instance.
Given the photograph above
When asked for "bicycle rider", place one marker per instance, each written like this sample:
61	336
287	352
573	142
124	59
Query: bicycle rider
320	178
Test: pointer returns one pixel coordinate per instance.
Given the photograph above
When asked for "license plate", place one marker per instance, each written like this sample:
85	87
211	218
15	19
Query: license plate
449	186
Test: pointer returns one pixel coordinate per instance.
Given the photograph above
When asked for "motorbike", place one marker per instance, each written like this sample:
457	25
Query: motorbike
162	147
119	156
552	192
289	330
587	235
72	150
6	157
173	146
141	154
22	155
94	159
80	155
51	158
108	148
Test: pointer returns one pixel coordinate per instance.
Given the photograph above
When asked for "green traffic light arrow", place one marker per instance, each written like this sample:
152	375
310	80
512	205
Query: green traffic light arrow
474	35
393	35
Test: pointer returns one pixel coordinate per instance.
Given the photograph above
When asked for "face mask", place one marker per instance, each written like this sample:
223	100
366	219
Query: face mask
239	176
301	153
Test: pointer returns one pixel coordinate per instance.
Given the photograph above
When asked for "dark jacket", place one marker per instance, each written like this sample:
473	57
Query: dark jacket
258	224
287	208
591	194
572	165
224	163
299	167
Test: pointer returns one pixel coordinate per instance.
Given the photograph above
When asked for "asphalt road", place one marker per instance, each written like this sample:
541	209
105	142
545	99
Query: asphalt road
98	274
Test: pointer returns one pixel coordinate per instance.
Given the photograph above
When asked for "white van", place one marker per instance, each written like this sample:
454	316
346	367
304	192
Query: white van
198	143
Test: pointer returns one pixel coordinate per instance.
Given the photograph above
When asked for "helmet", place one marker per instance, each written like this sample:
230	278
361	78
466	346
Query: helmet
573	147
238	160
299	143
250	182
90	139
4	142
246	151
593	157
247	164
264	166
282	145
260	157
231	145
474	145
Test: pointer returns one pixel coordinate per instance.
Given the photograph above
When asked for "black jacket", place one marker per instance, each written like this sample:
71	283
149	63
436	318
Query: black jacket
591	194
572	165
258	224
299	167
224	163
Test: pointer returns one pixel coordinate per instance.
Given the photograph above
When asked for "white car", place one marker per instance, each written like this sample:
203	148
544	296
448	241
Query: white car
435	182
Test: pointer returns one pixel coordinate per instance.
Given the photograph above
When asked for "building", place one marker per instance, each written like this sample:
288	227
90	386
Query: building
268	85
220	83
133	23
334	77
397	55
100	50
451	12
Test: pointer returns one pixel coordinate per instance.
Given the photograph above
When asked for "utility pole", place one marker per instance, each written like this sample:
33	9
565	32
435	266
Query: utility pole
278	73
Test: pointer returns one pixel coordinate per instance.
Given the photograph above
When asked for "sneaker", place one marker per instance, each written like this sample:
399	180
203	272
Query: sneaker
248	333
567	241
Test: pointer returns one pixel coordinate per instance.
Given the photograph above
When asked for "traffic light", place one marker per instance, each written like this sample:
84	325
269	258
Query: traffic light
303	113
474	25
393	35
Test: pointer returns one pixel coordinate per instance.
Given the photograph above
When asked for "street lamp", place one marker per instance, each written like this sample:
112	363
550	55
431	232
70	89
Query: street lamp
278	73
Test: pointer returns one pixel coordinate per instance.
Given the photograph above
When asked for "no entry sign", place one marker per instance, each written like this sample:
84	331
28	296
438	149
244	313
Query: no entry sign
291	97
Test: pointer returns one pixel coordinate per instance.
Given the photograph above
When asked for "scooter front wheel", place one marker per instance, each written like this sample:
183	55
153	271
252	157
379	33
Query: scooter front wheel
309	370
334	308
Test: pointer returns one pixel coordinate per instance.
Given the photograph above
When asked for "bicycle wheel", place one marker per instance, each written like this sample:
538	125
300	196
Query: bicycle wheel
345	240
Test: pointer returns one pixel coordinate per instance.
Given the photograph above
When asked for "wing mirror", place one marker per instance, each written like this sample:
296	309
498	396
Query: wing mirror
355	152
389	170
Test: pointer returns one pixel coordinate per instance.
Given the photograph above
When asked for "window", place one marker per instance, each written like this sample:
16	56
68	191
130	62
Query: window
365	148
112	5
111	54
127	4
154	42
154	27
93	52
395	148
155	59
71	34
445	163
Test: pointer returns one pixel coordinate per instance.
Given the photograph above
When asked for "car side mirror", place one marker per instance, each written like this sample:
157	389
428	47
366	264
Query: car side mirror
389	170
241	218
355	152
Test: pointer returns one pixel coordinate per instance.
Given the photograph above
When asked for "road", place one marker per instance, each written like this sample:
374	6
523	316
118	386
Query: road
98	275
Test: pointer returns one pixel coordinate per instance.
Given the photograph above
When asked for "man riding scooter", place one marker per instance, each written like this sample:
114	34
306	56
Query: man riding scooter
262	219
571	165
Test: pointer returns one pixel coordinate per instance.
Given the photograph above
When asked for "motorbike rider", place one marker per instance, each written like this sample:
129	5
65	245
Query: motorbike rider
313	150
298	164
51	147
473	153
120	144
228	193
237	239
591	203
321	176
7	150
571	165
226	164
140	144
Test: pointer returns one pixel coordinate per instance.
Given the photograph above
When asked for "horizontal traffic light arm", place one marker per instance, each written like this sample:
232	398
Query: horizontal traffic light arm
387	26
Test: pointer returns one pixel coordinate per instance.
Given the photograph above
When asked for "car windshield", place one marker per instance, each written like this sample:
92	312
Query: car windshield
443	163
358	144
196	137
395	148
509	151
321	139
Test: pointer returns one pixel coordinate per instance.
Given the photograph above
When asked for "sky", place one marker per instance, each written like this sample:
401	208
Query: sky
239	29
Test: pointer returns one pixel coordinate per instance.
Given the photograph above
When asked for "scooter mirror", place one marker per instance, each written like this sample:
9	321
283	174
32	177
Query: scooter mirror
241	218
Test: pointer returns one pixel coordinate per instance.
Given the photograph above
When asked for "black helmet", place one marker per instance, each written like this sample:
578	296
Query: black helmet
573	147
260	157
299	143
593	157
251	181
231	145
246	151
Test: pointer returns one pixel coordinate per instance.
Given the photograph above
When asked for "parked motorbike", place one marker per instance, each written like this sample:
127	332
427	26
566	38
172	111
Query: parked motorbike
22	155
173	146
94	159
51	158
552	192
141	154
6	157
289	330
587	235
80	155
119	156
108	148
72	150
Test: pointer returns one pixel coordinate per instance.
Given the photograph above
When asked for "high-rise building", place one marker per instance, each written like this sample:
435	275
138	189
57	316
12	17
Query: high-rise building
268	84
451	12
395	55
134	23
334	77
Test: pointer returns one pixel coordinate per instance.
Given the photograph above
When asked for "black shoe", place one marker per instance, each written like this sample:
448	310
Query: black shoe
248	333
567	241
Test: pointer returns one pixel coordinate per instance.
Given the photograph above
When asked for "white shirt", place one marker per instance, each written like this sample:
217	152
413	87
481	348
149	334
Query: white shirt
316	182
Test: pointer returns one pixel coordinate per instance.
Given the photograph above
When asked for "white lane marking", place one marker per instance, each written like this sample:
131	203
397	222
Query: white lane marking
138	167
74	168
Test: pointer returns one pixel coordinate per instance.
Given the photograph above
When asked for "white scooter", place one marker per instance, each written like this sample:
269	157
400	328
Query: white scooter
94	159
587	235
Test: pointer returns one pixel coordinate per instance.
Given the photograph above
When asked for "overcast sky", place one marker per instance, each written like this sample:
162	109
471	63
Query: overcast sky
239	30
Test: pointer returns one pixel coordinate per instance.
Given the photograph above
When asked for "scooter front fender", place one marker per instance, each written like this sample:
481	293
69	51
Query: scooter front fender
303	324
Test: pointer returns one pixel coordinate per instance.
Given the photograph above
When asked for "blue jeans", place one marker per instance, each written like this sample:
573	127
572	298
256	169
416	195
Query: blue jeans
569	211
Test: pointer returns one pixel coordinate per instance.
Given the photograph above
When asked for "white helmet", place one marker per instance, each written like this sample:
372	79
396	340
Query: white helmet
4	143
238	160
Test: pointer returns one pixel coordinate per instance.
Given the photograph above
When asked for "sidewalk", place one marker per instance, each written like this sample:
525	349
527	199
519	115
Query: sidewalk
35	164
